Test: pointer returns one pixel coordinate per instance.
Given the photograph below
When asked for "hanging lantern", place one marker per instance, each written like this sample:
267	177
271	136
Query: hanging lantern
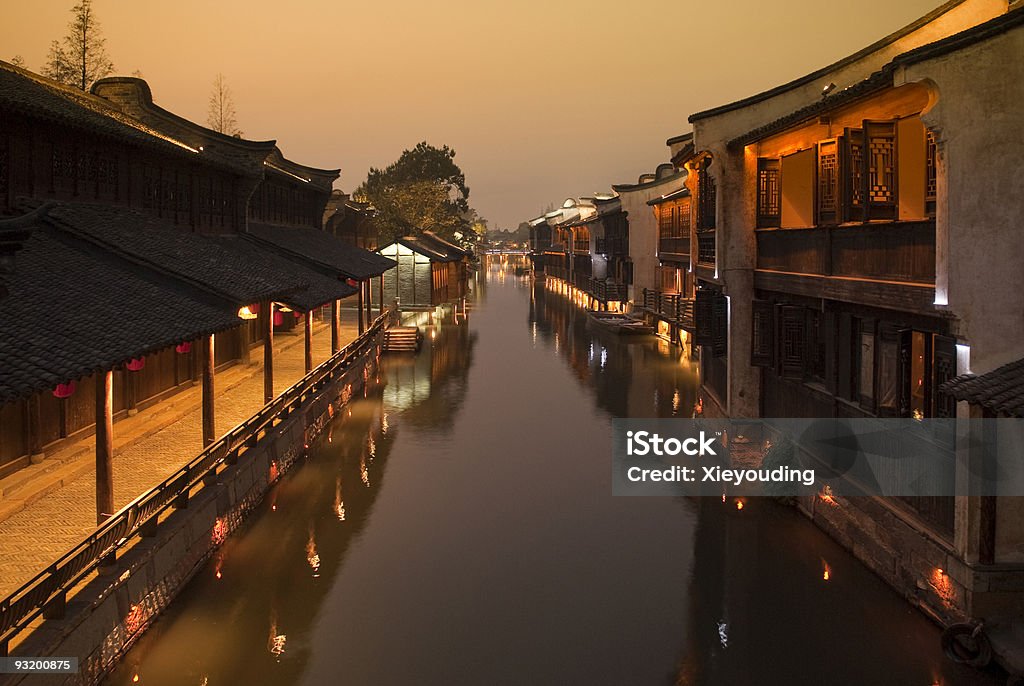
298	315
135	364
65	390
352	282
248	312
278	318
183	348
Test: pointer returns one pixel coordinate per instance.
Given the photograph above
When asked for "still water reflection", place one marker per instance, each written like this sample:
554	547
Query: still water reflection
458	528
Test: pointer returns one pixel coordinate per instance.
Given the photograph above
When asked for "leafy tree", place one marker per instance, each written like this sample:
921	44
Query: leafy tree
220	115
424	190
81	57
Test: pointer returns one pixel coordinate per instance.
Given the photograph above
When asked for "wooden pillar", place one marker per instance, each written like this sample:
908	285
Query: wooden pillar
268	354
34	433
369	304
308	318
380	292
209	414
104	445
335	327
359	307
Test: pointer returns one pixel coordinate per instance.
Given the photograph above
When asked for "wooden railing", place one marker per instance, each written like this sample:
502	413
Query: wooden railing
605	291
670	306
890	251
674	246
46	593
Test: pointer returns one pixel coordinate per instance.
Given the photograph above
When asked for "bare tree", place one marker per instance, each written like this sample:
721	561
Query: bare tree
220	115
18	61
82	56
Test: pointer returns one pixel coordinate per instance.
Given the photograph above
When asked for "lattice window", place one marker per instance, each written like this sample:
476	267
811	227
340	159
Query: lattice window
706	196
706	248
683	216
107	173
762	348
880	169
792	340
828	182
769	193
63	164
665	213
853	162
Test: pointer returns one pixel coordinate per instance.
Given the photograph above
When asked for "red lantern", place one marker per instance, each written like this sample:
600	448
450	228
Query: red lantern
183	348
65	390
278	318
298	315
352	282
135	364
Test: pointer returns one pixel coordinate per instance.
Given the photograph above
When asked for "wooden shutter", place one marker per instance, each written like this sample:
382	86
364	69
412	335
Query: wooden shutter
943	369
769	193
703	322
828	196
762	344
792	341
853	175
828	323
881	182
720	325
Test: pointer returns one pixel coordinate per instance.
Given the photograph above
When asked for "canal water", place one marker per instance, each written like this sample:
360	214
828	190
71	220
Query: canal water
458	527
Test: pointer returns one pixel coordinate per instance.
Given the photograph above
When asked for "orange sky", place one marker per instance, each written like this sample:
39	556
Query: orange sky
541	99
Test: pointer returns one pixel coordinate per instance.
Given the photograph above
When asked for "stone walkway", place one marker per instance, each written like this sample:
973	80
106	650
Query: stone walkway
36	529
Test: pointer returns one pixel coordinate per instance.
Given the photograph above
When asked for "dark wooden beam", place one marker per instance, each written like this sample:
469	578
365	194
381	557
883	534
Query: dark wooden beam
380	292
209	413
104	446
268	354
335	326
308	319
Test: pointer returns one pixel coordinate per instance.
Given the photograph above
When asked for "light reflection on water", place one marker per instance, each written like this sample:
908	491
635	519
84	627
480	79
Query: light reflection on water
459	528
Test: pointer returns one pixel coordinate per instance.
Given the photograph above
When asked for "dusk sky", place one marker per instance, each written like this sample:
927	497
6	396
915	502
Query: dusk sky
541	99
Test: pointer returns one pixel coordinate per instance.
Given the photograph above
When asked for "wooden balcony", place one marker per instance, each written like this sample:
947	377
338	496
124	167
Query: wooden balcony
672	307
674	246
891	251
890	264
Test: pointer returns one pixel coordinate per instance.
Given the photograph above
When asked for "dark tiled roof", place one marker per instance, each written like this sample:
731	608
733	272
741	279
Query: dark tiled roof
884	77
682	192
156	244
32	95
321	248
74	310
1001	390
430	245
825	71
878	81
322	289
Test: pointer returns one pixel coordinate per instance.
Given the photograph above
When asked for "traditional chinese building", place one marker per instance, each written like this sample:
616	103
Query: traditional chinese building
429	272
837	230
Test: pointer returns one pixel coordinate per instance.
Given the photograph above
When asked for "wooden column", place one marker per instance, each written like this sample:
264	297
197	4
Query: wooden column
209	414
34	429
359	307
268	354
308	318
104	445
369	304
335	327
380	292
